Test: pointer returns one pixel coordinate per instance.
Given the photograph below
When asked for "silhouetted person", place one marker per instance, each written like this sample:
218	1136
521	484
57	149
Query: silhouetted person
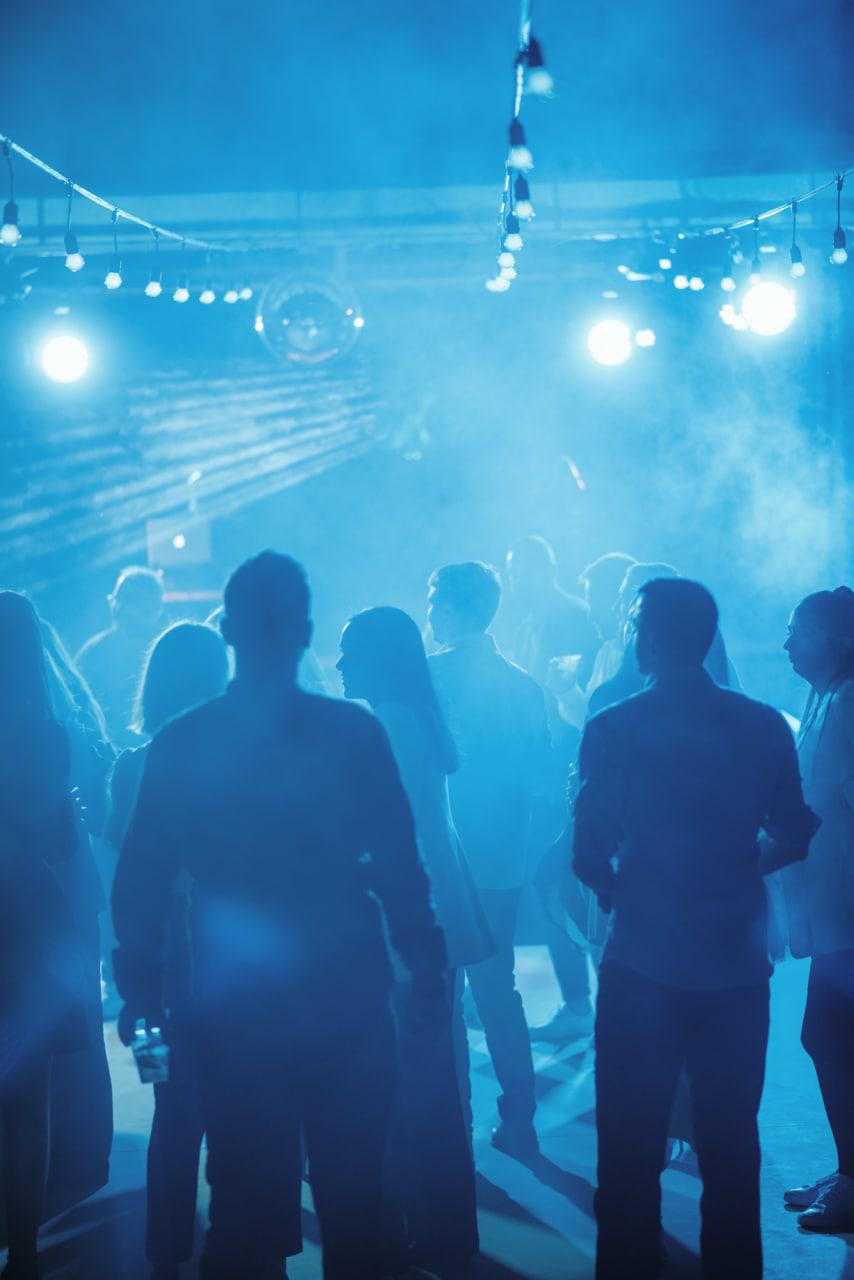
40	1014
626	677
288	812
112	660
601	582
820	892
188	665
676	784
553	618
497	719
430	1172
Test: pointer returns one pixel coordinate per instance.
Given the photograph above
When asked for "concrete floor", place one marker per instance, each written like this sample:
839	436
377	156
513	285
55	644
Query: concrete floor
536	1223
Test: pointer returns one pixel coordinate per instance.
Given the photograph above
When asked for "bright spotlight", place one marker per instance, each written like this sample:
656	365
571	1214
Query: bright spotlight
768	308
645	337
680	281
179	542
65	358
610	342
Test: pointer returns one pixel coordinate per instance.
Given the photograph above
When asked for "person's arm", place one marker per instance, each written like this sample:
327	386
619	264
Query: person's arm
597	830
145	874
789	823
397	873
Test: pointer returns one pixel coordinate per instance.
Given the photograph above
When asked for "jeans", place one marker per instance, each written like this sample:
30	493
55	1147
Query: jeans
173	1153
268	1073
493	986
828	1037
645	1034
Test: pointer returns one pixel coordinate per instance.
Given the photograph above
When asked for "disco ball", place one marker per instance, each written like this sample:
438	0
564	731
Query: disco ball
308	319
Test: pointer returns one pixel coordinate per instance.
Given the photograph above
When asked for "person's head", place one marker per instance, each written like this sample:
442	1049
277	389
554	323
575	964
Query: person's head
635	577
531	569
820	643
383	660
674	622
136	600
186	665
23	672
462	600
267	617
600	583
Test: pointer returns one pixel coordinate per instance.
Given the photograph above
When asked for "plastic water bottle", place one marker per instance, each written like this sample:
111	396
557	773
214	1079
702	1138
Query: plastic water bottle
151	1054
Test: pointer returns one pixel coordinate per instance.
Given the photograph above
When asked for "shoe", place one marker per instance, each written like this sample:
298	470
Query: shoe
564	1027
803	1197
517	1139
833	1210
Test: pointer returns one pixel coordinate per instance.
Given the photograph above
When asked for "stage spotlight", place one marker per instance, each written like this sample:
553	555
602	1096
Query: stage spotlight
65	358
309	319
645	337
768	308
610	342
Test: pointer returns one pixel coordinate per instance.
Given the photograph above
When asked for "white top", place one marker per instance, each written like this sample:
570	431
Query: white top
820	891
455	898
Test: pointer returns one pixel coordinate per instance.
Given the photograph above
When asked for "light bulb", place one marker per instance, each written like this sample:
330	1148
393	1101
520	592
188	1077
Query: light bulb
207	295
182	290
645	337
154	288
728	284
506	259
840	253
520	156
680	282
113	278
696	283
727	313
245	293
508	273
498	284
230	296
10	232
538	79
74	259
665	263
259	324
522	206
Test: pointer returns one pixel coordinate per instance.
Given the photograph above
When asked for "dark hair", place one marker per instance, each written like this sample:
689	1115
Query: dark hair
400	660
682	616
186	665
473	588
269	591
834	613
610	569
23	671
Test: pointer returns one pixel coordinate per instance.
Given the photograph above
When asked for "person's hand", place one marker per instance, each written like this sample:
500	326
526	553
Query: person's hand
130	1015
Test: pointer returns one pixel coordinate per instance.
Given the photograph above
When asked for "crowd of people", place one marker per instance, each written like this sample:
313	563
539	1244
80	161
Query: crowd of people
309	898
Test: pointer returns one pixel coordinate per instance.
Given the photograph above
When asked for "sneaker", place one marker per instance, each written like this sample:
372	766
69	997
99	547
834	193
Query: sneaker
565	1026
803	1197
833	1210
517	1139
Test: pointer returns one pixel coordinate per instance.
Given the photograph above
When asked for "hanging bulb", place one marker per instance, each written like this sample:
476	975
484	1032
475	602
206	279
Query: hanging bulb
74	259
665	262
113	278
680	281
520	156
508	273
798	268
522	205
696	283
182	289
10	232
506	259
840	252
512	236
538	79
245	293
728	283
259	324
154	288
756	264
498	284
727	313
231	295
207	295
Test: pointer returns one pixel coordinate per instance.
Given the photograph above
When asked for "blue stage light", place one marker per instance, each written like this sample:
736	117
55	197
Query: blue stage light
65	358
768	308
610	342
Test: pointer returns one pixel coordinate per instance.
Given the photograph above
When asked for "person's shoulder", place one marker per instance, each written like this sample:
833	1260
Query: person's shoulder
843	701
616	715
193	725
337	715
752	712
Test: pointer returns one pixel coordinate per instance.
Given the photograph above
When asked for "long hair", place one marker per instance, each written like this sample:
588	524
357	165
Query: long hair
400	663
834	613
186	665
24	691
72	698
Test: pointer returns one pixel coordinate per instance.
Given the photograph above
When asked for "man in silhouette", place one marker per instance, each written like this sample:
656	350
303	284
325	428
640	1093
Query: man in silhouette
496	714
676	784
112	660
554	622
286	809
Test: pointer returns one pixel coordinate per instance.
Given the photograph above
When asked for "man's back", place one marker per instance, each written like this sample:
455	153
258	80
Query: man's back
677	782
496	715
273	810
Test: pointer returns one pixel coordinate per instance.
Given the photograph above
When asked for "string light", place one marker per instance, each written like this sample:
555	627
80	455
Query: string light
10	232
538	79
245	294
696	283
796	258
508	273
522	198
74	259
231	295
207	295
728	277
840	253
154	288
680	281
182	288
506	259
756	264
665	262
512	235
498	284
113	278
520	156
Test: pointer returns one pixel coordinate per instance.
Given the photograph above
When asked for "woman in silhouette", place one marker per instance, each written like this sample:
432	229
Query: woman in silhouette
820	891
39	1012
187	665
430	1172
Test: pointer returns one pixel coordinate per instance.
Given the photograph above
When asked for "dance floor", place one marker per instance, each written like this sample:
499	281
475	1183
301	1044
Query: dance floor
536	1222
